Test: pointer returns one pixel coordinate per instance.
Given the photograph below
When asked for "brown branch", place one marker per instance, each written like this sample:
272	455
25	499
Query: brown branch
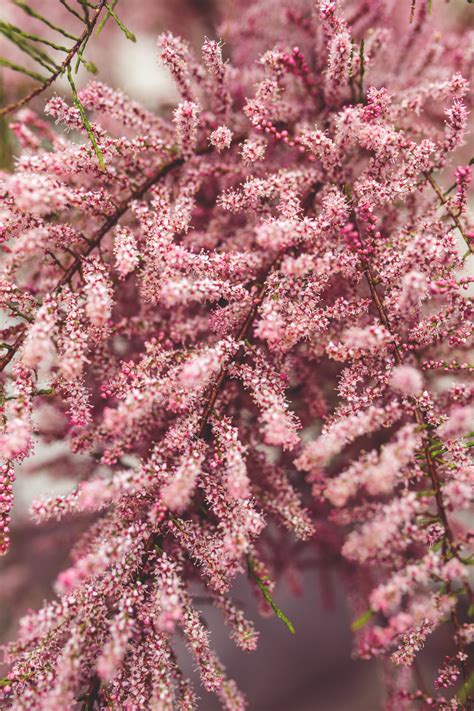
4	361
433	473
137	194
220	379
109	223
94	242
55	260
55	75
430	463
240	337
453	216
95	684
93	693
379	305
246	325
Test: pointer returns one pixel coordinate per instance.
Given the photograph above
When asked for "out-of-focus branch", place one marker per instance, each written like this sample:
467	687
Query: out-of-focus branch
453	216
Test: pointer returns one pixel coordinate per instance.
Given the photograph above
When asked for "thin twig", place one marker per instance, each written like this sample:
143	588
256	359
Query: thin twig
452	215
13	349
241	338
50	80
430	463
110	222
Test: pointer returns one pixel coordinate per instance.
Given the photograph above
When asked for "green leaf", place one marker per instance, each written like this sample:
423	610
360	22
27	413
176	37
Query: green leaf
465	691
30	11
45	391
85	9
362	620
425	492
90	66
129	35
17	68
260	582
36	53
71	10
102	23
85	120
6	153
7	27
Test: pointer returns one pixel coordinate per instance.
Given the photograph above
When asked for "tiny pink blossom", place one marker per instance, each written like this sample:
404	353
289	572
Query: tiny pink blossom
221	138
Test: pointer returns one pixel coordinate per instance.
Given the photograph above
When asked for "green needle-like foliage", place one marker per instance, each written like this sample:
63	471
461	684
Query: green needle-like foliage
32	46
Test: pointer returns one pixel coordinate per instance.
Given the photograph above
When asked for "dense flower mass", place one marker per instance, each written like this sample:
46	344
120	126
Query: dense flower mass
250	315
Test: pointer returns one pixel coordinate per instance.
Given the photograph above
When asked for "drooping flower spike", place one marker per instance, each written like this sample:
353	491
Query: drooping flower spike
250	318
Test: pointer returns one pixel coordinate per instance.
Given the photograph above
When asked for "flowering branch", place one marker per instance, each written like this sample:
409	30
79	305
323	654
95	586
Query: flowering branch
246	321
77	49
450	212
94	241
452	548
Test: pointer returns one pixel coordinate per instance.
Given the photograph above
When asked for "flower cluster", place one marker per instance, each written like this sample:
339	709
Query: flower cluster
244	320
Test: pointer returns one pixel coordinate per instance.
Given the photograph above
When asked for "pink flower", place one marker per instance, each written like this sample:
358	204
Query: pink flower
186	118
98	293
177	494
406	380
221	138
459	422
244	340
126	251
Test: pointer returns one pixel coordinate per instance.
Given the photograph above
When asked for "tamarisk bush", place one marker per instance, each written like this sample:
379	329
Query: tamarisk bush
247	317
